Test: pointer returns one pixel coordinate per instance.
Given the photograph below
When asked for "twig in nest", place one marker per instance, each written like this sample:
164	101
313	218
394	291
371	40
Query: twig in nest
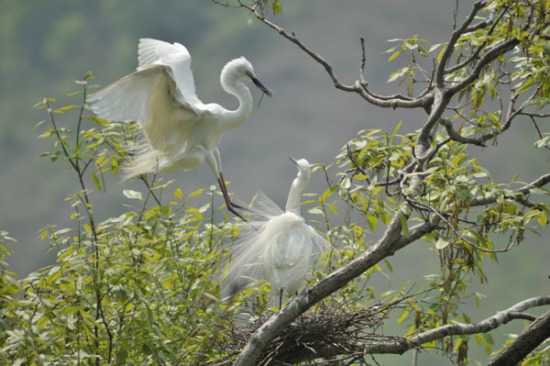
321	334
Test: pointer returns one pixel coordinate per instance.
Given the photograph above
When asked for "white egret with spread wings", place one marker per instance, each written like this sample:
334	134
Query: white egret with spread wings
180	132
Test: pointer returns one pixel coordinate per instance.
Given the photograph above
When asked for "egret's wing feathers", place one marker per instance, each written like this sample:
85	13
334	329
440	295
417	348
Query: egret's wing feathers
150	49
129	98
264	208
177	61
245	265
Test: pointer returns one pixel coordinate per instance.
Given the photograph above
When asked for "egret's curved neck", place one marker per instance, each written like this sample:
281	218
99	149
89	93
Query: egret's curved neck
234	86
295	193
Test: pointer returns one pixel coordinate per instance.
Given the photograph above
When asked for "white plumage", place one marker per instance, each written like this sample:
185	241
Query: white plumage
274	245
180	131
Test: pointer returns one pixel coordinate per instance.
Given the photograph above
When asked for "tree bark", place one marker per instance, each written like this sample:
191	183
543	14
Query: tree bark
526	342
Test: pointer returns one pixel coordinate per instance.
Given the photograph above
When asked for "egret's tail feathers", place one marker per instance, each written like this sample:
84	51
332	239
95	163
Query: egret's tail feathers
145	161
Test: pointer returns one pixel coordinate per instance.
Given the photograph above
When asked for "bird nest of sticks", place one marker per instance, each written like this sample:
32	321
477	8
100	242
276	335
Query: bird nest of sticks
320	334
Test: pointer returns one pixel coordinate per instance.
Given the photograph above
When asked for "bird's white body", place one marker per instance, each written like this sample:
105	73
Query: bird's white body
276	246
287	251
180	132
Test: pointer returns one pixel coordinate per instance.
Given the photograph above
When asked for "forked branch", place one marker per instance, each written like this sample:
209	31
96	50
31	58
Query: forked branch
359	86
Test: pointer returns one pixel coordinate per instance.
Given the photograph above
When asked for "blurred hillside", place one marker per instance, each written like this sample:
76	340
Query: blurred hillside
47	45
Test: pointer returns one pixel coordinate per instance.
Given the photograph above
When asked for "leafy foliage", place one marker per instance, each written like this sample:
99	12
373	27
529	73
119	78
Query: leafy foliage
137	288
143	288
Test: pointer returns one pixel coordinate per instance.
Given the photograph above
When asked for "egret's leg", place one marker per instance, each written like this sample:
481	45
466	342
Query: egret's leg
280	299
228	203
218	161
214	161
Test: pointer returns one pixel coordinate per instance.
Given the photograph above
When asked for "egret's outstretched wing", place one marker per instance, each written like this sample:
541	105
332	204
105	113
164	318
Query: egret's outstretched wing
129	98
177	61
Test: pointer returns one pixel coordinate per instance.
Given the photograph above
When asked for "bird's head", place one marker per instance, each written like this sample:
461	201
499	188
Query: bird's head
303	168
241	68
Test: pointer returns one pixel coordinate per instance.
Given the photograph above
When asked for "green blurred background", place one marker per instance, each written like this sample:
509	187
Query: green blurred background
46	45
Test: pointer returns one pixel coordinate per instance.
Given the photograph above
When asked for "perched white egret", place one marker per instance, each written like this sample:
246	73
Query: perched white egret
180	131
274	245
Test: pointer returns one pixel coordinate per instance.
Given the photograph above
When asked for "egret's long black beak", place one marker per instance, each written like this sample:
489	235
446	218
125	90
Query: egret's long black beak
293	160
261	86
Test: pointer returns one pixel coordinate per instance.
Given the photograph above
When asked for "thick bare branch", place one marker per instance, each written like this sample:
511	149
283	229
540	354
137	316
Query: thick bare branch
440	102
525	343
453	134
394	101
484	326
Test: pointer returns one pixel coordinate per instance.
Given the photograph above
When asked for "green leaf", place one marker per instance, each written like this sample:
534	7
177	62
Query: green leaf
276	7
434	47
96	181
70	310
542	219
388	264
403	316
178	194
66	108
525	86
441	53
46	134
195	212
442	242
394	55
100	121
395	132
405	226
131	194
488	343
372	221
397	74
197	192
316	211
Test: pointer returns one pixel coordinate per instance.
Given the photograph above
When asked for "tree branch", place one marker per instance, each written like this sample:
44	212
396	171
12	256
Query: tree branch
400	345
292	38
475	55
359	87
526	342
526	189
484	326
453	134
449	50
491	55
